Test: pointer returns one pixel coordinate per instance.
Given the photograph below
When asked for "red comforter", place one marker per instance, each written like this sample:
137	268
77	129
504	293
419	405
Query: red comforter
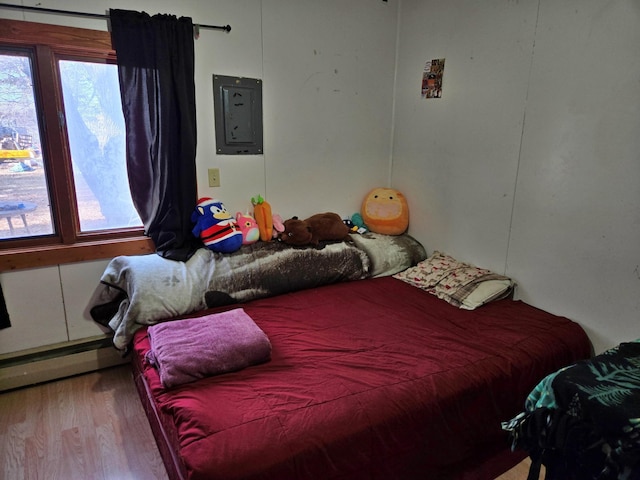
370	379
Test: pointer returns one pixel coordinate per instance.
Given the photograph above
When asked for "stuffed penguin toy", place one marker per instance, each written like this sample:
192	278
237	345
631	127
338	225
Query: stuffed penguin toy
215	226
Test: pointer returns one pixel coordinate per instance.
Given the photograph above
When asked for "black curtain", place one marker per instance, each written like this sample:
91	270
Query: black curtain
156	72
5	321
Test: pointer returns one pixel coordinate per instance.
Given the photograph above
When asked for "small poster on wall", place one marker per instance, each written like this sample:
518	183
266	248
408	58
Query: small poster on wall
432	79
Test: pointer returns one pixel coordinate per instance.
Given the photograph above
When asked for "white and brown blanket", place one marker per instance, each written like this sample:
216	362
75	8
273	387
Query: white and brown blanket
146	289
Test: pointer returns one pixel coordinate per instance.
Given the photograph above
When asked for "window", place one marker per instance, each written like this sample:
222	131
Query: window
96	135
63	179
23	186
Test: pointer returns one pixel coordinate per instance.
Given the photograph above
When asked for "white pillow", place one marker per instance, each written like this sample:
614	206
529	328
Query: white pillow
460	284
486	292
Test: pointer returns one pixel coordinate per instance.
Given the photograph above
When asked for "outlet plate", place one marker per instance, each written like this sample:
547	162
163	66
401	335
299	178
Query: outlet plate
214	177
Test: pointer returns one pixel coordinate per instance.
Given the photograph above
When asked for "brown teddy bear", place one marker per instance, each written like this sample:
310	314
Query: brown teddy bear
316	228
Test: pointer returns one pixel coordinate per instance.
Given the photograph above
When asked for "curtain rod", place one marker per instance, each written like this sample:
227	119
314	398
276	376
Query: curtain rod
226	28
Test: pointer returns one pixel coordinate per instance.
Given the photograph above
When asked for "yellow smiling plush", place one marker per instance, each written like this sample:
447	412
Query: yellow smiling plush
385	210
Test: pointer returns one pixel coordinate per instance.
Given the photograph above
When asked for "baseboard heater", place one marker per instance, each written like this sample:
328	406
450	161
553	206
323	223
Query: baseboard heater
30	367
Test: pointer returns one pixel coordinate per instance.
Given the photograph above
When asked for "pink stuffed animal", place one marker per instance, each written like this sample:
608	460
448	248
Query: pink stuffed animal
249	228
278	225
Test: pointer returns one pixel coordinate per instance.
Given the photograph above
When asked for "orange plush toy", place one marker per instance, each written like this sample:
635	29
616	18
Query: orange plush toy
385	210
264	218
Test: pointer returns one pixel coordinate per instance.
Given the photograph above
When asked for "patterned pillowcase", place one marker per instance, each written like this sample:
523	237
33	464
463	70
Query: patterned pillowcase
460	284
430	272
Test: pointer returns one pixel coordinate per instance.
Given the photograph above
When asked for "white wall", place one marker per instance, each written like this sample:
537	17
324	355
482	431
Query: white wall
327	69
575	242
530	163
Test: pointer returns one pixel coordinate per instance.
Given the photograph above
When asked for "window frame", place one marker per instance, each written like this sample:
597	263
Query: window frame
48	43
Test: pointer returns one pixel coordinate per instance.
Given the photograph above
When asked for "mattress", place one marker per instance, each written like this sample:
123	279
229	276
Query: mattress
370	379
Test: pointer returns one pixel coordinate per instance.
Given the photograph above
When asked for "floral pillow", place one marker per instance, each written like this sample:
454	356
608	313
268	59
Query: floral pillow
460	284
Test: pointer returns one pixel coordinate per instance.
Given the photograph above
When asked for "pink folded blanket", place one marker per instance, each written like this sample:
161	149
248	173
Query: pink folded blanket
186	350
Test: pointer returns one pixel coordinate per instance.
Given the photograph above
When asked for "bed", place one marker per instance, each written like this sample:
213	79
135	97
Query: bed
375	376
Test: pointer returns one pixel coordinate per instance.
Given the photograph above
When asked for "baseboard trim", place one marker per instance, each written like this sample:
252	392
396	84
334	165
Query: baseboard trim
31	369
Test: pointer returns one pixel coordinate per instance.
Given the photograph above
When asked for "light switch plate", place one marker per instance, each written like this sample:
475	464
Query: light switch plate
214	177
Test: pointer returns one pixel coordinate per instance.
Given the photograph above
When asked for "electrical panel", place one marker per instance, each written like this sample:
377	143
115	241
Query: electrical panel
238	115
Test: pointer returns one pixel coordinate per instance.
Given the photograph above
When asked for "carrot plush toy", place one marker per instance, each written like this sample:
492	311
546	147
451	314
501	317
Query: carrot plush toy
263	216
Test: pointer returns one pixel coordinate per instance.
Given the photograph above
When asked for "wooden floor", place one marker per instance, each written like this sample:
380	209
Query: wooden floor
89	427
519	472
86	427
